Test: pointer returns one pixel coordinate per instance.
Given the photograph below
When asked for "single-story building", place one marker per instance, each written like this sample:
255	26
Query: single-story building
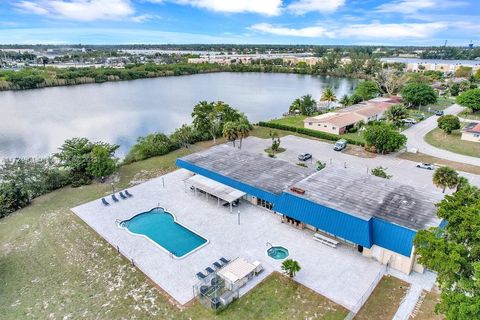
339	122
471	132
378	217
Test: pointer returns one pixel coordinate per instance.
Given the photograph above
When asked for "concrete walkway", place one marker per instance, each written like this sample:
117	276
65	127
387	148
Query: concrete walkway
416	135
419	282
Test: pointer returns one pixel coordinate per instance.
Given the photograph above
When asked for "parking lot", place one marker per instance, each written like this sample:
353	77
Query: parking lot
404	171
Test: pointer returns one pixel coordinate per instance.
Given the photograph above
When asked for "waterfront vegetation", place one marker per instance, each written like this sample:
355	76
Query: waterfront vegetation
38	77
452	142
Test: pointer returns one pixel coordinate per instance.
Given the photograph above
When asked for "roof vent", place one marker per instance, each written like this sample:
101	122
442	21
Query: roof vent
297	190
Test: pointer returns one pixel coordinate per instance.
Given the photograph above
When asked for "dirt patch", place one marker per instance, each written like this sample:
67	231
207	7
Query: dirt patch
359	152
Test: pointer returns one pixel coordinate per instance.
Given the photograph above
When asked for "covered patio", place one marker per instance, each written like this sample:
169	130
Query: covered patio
214	188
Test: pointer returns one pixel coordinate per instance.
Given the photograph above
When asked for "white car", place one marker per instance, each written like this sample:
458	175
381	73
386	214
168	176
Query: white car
409	121
427	166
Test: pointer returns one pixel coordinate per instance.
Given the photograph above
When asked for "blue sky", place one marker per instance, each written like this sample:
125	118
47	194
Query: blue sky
394	22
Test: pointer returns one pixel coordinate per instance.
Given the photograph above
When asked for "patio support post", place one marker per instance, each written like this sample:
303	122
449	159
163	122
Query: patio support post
231	209
218	202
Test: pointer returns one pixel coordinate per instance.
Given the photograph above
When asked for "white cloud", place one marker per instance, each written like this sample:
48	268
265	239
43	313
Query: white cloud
80	10
391	30
385	31
303	6
266	7
31	7
414	6
309	32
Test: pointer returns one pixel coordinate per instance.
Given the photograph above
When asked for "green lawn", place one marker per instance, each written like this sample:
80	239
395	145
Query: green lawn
467	114
452	142
384	300
52	265
294	121
297	121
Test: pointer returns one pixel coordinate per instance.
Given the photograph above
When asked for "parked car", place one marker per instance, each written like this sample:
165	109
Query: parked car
427	166
340	145
304	156
409	121
439	113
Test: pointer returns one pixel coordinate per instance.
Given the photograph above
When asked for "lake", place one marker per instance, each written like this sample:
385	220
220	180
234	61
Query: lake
36	122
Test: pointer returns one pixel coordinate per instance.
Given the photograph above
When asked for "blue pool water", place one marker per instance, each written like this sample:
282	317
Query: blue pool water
160	226
278	253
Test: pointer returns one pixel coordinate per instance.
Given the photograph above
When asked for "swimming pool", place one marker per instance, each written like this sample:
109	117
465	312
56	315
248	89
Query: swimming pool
160	226
278	252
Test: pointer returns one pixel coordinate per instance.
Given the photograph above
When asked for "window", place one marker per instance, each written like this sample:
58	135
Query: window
333	128
324	125
309	123
476	135
264	204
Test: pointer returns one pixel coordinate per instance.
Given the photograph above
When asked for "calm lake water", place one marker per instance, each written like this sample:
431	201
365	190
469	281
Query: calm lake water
36	122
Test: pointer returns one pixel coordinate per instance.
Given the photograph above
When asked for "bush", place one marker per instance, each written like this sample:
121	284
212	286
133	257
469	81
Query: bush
310	132
155	144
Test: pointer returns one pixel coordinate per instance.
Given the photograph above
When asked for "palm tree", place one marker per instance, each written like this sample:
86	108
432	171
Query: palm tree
328	95
396	114
309	105
230	131
445	177
296	105
290	267
345	100
243	130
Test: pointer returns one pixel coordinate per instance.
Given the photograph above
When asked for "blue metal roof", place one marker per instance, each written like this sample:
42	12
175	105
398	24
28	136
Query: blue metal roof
365	232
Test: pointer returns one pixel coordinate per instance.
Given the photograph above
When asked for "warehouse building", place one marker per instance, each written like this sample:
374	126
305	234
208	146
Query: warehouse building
378	217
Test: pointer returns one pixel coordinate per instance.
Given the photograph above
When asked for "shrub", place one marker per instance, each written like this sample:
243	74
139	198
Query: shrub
310	132
155	144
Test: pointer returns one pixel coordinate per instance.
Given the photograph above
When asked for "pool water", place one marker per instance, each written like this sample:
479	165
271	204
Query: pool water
160	227
278	253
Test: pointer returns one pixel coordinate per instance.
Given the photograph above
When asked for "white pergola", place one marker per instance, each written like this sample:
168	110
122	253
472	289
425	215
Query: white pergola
214	188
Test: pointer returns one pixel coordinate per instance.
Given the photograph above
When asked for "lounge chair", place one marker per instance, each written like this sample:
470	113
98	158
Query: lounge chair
128	193
225	261
114	198
217	265
209	270
105	202
201	276
122	195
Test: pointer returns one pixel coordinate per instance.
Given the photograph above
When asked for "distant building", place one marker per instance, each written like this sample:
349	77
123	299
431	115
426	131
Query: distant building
339	122
445	66
471	132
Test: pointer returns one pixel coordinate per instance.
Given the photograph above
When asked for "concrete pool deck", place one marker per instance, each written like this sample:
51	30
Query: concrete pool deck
342	274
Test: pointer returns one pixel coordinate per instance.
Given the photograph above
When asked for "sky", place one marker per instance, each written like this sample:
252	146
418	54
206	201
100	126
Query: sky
322	22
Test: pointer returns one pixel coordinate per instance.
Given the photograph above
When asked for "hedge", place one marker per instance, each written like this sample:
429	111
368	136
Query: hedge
310	132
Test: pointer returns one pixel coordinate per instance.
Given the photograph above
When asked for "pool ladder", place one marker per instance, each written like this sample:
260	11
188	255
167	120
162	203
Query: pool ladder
268	244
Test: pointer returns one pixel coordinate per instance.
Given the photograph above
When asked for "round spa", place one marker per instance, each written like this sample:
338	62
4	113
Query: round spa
277	252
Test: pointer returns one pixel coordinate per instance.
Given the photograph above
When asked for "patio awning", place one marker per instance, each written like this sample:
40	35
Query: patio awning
236	270
215	188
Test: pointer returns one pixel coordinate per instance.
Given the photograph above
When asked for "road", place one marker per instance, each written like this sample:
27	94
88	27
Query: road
416	134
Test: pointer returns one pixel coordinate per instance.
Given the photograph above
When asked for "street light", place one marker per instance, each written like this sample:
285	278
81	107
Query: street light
238	217
113	187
